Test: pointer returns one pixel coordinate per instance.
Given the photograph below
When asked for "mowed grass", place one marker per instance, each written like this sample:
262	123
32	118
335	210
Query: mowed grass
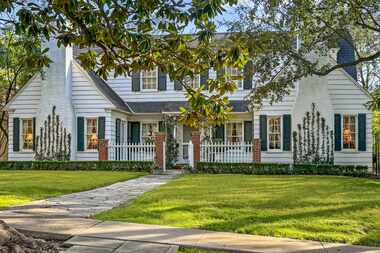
324	208
20	187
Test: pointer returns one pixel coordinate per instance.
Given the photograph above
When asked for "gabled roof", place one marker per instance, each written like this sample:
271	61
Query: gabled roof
108	92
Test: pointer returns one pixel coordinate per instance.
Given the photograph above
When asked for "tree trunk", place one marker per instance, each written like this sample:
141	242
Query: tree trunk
12	241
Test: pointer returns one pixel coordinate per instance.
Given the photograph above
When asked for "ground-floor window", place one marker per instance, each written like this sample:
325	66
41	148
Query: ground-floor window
193	82
27	134
148	130
234	132
92	133
274	133
349	131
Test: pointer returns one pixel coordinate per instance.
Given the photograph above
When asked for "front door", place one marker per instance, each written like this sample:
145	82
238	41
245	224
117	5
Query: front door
134	132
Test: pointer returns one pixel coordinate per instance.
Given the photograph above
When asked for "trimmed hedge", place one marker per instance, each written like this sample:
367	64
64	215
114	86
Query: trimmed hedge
281	169
145	166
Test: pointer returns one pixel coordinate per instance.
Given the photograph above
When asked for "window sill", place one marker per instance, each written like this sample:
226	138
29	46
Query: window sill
24	152
275	151
348	151
88	151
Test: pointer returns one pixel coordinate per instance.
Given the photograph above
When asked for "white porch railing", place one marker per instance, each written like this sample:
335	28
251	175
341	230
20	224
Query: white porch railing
226	152
131	152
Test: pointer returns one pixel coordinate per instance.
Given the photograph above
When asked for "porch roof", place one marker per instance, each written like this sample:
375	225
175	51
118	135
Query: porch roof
173	106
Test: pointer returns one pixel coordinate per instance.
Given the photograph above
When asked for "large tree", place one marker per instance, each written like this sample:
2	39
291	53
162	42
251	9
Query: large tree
282	37
141	34
20	57
129	35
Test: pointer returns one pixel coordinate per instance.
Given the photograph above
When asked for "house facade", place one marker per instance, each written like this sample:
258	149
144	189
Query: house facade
130	109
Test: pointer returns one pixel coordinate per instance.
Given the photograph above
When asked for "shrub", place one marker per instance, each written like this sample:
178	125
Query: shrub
145	166
281	169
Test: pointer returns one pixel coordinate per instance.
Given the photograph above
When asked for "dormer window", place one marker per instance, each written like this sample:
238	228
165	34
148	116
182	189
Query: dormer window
149	80
233	74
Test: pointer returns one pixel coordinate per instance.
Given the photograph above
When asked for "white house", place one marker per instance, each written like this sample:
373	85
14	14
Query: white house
130	109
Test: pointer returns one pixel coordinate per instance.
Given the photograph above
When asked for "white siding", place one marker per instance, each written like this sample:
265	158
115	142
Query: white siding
277	109
346	97
24	105
89	102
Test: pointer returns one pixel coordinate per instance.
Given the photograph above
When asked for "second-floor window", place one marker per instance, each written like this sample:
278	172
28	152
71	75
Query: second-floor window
193	82
149	79
234	73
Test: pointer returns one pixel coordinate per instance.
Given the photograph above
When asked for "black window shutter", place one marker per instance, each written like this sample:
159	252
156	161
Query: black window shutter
203	78
80	134
101	128
136	81
161	126
263	132
16	134
287	132
218	134
34	133
177	85
337	132
362	125
247	131
161	80
118	131
133	132
247	84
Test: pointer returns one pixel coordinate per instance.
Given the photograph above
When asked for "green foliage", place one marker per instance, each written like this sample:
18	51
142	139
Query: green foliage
281	169
314	144
79	165
172	145
271	30
123	37
21	57
54	141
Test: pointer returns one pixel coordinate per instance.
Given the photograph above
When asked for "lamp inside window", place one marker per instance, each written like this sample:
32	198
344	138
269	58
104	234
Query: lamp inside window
92	133
349	132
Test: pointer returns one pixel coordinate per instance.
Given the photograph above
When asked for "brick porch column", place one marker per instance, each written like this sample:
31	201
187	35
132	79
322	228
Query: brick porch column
103	150
256	150
159	139
196	140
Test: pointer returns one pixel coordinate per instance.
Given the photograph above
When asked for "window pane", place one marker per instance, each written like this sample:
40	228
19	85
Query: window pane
193	82
234	132
149	79
234	73
148	130
274	132
349	131
92	133
27	134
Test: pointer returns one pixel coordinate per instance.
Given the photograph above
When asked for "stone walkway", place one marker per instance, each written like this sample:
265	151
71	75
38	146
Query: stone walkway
87	203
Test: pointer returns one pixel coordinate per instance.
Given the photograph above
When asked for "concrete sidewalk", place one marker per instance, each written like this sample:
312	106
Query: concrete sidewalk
93	231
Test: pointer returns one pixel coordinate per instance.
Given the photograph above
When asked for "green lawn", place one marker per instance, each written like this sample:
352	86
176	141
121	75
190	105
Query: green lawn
338	209
19	187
